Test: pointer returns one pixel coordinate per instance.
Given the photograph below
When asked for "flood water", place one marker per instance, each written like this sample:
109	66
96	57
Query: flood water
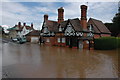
35	61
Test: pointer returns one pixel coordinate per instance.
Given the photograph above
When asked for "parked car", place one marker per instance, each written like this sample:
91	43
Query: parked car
21	40
14	39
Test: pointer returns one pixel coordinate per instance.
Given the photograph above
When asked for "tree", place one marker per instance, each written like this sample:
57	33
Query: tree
115	28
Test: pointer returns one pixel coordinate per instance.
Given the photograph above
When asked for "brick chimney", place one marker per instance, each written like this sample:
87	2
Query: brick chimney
19	24
83	16
60	14
45	17
24	24
32	25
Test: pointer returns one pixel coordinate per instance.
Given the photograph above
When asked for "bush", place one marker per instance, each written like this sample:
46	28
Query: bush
118	42
106	43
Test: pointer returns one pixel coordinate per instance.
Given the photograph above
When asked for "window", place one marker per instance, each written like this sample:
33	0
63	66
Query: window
45	30
58	40
87	42
60	29
90	28
63	40
48	40
52	34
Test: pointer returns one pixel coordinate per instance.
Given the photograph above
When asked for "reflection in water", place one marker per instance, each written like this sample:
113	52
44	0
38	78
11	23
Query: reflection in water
35	61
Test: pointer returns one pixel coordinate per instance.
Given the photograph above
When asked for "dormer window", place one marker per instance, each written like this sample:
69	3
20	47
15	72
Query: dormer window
90	28
60	29
45	30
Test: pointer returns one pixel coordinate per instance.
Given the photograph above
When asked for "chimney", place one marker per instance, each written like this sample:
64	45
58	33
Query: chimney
60	14
83	16
32	25
19	24
24	24
45	17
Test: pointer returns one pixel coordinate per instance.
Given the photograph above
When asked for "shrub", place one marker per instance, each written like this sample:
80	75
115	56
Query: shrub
106	43
118	42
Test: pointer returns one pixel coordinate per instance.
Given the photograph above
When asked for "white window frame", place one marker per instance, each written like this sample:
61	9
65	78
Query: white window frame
58	40
45	30
60	29
63	40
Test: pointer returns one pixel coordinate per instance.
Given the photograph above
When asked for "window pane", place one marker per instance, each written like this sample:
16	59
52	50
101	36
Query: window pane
63	40
59	40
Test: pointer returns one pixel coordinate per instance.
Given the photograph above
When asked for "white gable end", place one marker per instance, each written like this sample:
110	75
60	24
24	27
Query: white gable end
45	30
69	28
25	31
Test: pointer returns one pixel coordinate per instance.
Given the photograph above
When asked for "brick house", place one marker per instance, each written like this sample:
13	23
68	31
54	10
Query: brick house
72	33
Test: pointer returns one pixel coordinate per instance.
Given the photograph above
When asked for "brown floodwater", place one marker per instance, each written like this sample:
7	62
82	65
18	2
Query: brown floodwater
35	61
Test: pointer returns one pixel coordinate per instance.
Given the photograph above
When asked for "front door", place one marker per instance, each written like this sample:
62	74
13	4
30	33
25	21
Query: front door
69	41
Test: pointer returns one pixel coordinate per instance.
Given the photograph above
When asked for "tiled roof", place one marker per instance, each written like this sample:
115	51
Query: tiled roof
99	27
63	24
52	25
76	24
95	29
34	33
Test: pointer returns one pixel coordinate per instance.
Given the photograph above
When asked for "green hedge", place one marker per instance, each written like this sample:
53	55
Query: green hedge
118	42
107	43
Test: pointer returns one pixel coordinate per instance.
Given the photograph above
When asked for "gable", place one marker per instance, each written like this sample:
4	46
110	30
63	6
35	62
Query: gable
98	26
47	29
69	28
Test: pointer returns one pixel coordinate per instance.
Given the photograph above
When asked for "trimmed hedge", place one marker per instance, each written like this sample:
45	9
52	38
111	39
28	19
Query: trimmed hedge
107	43
118	42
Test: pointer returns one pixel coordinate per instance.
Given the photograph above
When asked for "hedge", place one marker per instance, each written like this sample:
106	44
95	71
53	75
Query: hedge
107	43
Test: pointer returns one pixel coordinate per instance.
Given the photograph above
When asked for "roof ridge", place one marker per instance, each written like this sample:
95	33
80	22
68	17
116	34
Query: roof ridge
95	19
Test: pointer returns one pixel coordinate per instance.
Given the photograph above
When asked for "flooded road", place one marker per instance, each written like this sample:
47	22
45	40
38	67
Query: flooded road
35	61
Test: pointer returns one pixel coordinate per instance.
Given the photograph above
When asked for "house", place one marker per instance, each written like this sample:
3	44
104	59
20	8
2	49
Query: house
74	33
98	28
20	30
33	36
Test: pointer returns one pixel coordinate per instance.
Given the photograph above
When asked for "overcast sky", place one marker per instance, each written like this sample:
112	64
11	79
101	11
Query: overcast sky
33	12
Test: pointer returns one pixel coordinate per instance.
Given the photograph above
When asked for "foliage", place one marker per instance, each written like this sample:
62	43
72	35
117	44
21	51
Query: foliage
115	26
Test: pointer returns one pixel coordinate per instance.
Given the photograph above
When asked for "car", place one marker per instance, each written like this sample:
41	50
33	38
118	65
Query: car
22	40
14	39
